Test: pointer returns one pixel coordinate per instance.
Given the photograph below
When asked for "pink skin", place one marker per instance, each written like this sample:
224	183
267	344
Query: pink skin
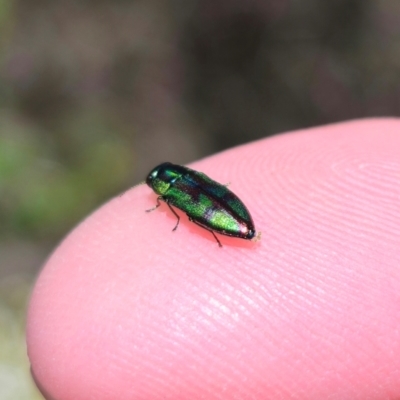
127	309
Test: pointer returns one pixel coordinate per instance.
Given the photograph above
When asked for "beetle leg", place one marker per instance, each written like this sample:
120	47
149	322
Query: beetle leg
176	215
158	204
209	230
215	237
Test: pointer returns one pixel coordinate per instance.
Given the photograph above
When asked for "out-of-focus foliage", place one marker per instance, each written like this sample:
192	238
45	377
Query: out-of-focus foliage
15	380
40	194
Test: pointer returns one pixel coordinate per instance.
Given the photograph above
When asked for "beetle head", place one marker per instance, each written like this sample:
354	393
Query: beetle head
162	177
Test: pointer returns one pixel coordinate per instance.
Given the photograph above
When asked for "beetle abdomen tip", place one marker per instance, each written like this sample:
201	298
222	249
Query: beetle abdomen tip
256	237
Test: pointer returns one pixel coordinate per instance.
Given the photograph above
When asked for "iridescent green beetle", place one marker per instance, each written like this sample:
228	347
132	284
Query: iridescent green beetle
207	203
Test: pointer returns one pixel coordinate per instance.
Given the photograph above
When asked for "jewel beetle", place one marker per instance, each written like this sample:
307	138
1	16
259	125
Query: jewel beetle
206	202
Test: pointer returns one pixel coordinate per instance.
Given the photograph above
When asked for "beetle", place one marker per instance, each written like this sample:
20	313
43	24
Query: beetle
206	202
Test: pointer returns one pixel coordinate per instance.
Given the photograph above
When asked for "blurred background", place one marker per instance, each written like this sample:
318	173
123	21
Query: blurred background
93	94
